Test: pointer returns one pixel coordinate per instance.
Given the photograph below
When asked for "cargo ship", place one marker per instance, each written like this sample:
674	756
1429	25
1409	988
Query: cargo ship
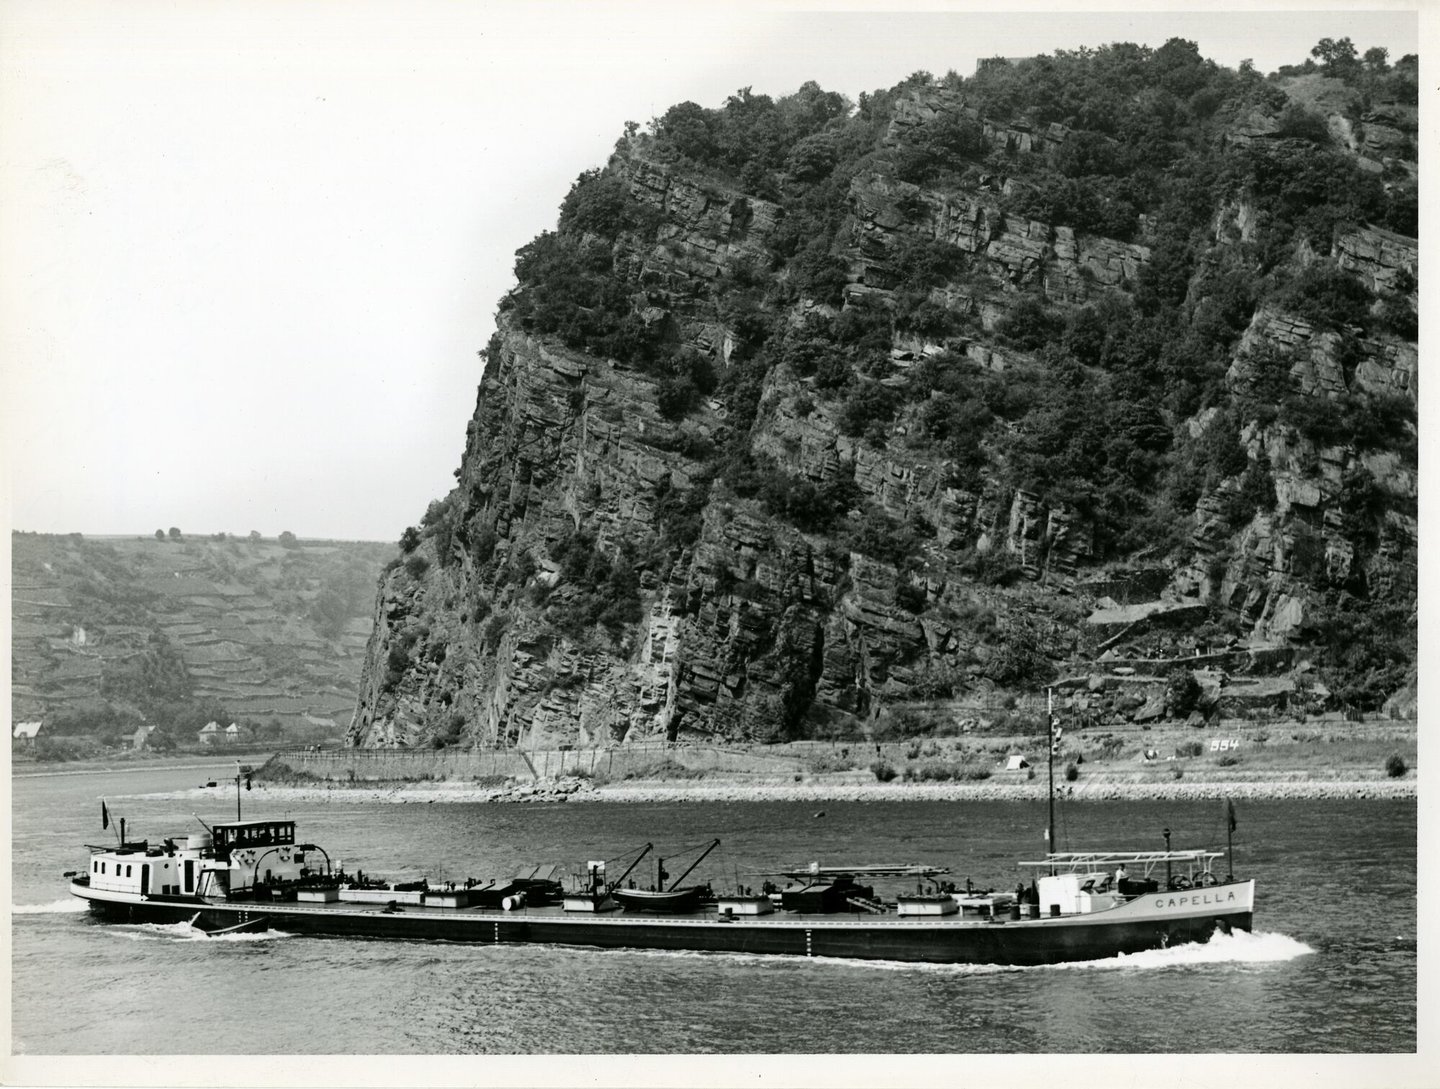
257	875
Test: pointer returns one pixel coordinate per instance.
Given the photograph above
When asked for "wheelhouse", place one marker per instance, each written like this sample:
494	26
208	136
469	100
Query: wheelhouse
1079	882
247	834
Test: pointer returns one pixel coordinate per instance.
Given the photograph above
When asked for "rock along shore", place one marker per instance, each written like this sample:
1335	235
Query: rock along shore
579	790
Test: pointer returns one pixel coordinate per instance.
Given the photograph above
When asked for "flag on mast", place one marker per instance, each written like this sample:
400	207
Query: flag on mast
104	815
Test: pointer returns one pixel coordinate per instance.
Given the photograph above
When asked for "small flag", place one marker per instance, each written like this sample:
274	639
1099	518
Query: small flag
1230	814
104	816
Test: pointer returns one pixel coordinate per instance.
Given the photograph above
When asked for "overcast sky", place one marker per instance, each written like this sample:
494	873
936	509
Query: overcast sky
248	251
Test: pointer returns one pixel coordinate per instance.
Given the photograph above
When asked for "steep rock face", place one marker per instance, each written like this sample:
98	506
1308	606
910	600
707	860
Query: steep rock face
921	107
1019	252
557	439
707	229
765	484
1381	258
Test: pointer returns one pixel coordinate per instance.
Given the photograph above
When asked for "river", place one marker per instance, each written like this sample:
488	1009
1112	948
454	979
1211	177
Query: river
1330	967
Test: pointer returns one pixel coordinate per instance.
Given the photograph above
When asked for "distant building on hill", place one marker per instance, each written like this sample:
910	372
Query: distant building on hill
141	738
25	732
210	734
232	733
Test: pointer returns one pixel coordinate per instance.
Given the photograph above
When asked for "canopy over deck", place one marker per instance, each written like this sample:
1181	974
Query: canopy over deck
814	870
1094	859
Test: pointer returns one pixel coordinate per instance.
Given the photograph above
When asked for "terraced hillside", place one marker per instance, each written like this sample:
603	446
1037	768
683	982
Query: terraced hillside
119	630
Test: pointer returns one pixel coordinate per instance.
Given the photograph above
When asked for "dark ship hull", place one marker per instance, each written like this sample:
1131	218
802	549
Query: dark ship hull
1152	921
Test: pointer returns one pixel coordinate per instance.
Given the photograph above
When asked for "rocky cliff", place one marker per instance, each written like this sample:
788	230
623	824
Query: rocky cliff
813	420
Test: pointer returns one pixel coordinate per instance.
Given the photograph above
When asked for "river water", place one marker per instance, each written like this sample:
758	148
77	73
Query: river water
1331	966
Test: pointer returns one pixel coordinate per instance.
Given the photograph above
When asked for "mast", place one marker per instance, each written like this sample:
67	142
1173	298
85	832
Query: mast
1230	838
1050	765
242	772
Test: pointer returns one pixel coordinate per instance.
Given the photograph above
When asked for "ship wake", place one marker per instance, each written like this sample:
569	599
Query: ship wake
68	906
184	932
1239	947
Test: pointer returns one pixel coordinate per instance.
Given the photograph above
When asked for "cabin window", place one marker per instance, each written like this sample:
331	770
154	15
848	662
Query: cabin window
102	867
127	871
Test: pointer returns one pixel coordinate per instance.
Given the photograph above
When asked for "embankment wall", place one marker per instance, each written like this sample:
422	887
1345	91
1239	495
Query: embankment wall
401	765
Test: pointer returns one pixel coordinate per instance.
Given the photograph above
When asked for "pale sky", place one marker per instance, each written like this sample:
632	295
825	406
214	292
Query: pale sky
248	251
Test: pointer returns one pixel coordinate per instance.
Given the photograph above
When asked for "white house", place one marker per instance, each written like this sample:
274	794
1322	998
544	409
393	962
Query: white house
232	733
25	732
210	735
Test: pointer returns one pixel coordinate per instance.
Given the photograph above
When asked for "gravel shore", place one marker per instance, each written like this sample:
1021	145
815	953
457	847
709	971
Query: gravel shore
579	790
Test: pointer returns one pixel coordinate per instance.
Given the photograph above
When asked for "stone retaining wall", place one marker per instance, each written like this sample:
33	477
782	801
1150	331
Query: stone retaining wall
399	765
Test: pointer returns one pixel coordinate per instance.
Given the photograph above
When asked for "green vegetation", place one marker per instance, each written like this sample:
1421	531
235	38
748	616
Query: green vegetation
942	771
594	589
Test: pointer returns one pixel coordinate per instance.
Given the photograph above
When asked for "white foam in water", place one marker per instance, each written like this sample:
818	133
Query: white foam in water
184	932
1239	947
183	795
66	906
188	933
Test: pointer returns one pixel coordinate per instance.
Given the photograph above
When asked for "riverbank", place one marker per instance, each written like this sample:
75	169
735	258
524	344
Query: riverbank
1100	787
127	761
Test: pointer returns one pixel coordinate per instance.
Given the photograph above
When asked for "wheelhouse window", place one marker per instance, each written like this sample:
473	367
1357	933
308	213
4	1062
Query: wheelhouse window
253	834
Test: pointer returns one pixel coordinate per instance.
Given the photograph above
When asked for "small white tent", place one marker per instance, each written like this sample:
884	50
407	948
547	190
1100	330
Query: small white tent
1017	763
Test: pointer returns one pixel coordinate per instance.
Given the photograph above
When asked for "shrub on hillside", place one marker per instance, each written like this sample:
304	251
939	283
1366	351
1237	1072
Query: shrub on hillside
827	762
883	770
1189	748
664	768
1395	766
1071	773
